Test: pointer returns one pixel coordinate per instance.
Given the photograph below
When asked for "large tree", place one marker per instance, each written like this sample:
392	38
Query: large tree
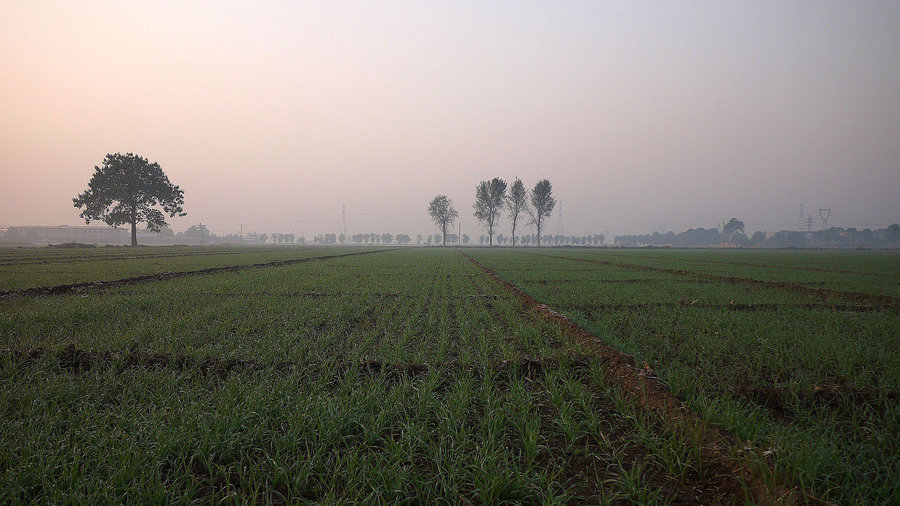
442	212
197	231
542	204
125	190
893	233
516	204
489	199
731	229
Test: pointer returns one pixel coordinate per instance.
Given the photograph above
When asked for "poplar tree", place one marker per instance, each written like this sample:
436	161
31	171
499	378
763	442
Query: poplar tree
542	204
489	199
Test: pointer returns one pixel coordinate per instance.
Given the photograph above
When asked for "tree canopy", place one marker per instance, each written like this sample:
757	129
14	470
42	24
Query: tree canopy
442	212
542	204
894	231
732	229
516	203
125	190
489	199
197	231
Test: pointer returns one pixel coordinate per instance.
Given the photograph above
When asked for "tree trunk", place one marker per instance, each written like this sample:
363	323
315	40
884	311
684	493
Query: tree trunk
133	227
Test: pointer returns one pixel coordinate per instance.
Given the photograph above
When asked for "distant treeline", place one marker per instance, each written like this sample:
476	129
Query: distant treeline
834	237
454	239
202	235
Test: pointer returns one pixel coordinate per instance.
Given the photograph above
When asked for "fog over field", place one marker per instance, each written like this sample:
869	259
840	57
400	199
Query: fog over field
645	116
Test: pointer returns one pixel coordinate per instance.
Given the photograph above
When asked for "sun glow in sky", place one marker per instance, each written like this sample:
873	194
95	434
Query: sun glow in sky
641	114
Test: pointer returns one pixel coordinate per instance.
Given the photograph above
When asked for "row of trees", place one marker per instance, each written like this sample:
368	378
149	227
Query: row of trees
128	189
386	238
555	240
419	240
733	235
492	200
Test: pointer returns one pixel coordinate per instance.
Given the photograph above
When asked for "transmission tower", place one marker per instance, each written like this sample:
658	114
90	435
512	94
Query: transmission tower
809	222
824	215
344	221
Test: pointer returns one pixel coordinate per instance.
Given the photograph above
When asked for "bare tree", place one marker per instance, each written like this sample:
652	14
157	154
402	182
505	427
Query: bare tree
542	204
442	212
489	198
516	203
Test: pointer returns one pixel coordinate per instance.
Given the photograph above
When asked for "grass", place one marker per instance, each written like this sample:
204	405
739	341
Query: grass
26	268
411	376
145	435
874	272
810	378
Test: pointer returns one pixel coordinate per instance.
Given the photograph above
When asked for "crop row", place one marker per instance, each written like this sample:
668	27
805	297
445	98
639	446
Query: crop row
195	389
23	275
823	261
442	311
874	272
24	256
814	386
148	435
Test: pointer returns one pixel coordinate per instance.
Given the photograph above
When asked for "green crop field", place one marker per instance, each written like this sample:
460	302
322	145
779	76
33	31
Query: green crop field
805	364
342	375
27	268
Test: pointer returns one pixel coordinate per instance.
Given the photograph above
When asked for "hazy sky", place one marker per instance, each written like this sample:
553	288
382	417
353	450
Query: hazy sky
274	114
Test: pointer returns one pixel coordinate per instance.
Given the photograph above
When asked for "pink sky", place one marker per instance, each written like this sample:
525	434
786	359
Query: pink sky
274	114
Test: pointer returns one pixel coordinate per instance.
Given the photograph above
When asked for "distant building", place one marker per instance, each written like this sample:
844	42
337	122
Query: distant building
44	234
